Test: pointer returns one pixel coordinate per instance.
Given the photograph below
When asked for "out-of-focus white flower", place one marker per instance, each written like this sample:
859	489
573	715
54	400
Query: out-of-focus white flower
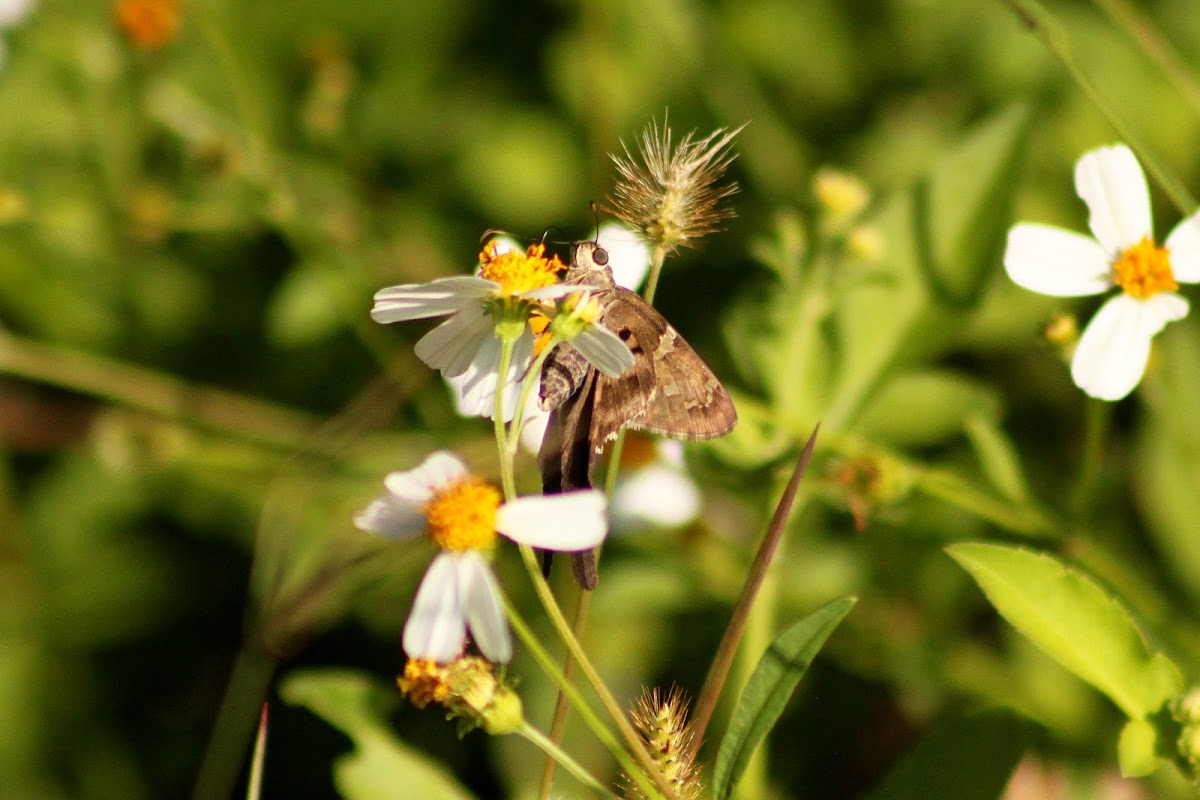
1115	346
12	14
462	515
658	490
628	254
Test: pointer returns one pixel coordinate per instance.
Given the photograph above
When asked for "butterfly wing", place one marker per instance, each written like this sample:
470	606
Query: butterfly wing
678	395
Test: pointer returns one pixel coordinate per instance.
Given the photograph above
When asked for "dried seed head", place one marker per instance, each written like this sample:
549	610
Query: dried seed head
663	725
669	194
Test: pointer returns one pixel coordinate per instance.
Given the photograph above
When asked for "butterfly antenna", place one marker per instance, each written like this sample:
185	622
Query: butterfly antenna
596	219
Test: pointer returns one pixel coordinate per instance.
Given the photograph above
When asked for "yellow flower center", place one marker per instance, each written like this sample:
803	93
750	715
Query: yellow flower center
538	323
423	682
463	515
1144	270
519	272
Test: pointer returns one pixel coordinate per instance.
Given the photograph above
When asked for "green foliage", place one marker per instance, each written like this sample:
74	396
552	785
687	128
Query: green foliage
194	401
769	688
380	766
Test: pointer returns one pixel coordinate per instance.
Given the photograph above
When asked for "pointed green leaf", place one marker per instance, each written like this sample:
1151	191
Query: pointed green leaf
381	765
768	690
967	758
1075	621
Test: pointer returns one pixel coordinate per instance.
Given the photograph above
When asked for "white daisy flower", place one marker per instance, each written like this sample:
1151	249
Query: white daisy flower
1111	355
462	515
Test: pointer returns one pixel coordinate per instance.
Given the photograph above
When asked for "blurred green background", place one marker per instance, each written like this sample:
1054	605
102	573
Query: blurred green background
190	234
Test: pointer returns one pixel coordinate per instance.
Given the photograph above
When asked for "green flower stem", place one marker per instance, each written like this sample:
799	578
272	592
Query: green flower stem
155	392
240	712
1046	28
532	378
1095	429
632	740
589	717
657	255
537	738
507	481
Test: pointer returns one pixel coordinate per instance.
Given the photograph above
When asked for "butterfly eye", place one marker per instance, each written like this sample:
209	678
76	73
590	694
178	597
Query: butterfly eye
600	256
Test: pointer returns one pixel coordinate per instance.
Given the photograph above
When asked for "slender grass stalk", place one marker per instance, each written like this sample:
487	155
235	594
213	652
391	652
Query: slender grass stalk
706	702
155	392
537	738
1047	28
240	710
1156	48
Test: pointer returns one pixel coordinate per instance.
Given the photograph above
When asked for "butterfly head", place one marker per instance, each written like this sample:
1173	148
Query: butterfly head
589	264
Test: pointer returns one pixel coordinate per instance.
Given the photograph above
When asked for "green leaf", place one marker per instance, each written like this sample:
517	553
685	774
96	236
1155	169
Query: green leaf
997	458
1075	621
768	690
967	758
381	765
943	241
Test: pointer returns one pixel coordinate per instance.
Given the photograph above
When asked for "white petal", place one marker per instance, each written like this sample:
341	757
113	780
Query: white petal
1184	246
479	597
391	516
436	629
604	350
1112	353
476	387
551	292
1112	183
434	299
535	428
628	254
657	494
453	345
418	485
1057	262
569	521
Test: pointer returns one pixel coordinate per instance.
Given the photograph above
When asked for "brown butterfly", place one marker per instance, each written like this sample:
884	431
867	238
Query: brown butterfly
668	391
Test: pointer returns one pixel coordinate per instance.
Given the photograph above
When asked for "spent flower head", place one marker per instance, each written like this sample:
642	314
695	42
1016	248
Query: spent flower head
670	194
1121	253
468	688
462	514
